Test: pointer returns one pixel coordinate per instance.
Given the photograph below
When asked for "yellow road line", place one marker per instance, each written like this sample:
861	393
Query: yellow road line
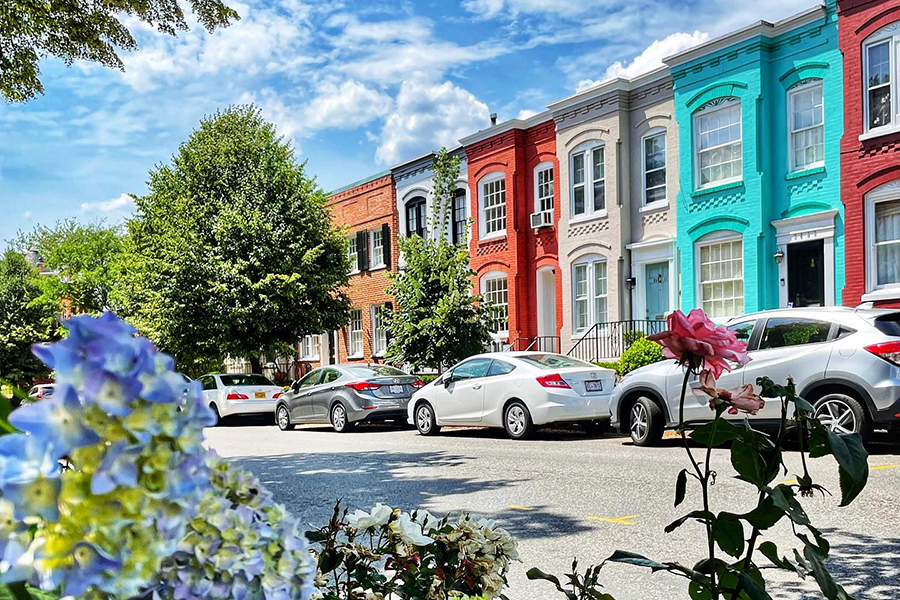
626	520
788	482
883	467
517	507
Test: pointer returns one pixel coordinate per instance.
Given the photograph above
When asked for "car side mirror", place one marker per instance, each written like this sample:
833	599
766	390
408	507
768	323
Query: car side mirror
445	379
295	386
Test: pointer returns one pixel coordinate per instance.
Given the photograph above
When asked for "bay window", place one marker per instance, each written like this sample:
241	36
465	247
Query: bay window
589	293
720	263
587	166
806	126
717	142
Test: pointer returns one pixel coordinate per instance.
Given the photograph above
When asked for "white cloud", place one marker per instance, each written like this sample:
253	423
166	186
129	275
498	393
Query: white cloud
429	115
27	214
121	204
526	113
648	60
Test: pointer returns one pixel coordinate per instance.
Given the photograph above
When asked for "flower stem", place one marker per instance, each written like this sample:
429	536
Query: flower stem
18	591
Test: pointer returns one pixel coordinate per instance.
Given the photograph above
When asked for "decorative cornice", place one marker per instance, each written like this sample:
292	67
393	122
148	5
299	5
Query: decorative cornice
721	89
506	126
358	189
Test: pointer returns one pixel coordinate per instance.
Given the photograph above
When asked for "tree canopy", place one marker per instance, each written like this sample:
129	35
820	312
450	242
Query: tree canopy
232	252
92	31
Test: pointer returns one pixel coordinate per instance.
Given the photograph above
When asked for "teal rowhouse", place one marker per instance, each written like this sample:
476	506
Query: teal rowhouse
760	218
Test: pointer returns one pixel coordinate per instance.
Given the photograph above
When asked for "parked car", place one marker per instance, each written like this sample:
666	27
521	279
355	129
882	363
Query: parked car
845	361
345	395
517	391
231	394
40	391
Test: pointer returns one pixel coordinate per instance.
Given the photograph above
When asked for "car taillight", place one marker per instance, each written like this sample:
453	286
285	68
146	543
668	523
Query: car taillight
417	383
889	351
276	395
553	381
237	396
363	386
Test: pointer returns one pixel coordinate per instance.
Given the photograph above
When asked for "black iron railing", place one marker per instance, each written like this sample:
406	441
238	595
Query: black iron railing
609	340
540	343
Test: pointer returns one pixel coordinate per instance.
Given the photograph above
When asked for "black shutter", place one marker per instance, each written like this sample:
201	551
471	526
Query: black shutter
362	250
386	245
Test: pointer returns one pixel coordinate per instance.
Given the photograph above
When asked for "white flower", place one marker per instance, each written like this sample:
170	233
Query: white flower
427	520
362	520
410	531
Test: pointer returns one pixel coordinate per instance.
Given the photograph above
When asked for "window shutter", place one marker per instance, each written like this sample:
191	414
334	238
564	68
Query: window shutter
362	250
386	245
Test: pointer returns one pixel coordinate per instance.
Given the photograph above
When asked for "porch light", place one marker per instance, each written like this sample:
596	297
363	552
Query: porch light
631	282
778	256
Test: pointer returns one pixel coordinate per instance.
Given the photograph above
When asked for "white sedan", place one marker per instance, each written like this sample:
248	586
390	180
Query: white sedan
516	391
239	393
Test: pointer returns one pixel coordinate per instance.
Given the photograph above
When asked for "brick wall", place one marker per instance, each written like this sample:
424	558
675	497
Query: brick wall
868	164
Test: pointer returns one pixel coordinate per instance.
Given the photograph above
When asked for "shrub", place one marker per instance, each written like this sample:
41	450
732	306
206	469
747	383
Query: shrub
640	353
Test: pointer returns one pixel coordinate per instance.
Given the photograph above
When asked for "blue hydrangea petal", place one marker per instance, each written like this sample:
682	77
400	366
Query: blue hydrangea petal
92	567
119	467
111	393
38	497
56	421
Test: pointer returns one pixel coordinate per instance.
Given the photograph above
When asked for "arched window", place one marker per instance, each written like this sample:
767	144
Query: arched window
880	72
495	290
719	262
460	217
415	216
806	125
492	206
590	292
587	173
717	142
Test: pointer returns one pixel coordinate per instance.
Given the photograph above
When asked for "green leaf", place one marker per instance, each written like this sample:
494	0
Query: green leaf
703	516
535	574
729	533
621	556
770	551
765	515
753	589
749	464
804	406
724	432
330	560
784	498
680	487
830	588
852	458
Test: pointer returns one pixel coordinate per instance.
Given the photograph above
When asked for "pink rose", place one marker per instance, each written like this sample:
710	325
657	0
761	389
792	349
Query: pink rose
739	399
695	340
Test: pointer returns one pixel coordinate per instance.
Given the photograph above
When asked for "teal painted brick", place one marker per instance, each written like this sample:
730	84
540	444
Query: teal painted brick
759	72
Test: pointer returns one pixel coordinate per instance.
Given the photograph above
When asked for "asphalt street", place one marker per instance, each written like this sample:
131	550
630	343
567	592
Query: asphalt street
566	494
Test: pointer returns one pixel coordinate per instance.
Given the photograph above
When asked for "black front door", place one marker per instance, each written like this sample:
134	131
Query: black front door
806	273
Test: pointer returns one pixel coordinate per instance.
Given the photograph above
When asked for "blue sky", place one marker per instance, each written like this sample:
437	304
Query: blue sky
357	86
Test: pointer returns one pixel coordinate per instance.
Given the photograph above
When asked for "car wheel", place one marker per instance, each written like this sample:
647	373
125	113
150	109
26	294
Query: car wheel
517	421
645	422
426	422
283	419
339	419
595	427
843	415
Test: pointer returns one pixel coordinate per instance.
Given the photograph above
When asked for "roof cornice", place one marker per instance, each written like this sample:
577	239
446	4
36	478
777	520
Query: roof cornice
605	88
505	126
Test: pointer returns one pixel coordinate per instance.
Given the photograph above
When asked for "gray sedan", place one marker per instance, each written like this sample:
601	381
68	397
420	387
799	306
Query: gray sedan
344	395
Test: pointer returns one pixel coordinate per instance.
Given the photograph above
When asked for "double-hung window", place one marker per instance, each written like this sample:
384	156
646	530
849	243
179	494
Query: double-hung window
492	202
377	249
587	166
721	276
883	236
416	217
353	254
309	347
590	293
356	333
460	217
880	66
379	333
654	159
543	187
496	293
806	126
717	142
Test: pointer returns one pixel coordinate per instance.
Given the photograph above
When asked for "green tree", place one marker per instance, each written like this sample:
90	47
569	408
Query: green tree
82	260
91	31
22	321
233	252
437	321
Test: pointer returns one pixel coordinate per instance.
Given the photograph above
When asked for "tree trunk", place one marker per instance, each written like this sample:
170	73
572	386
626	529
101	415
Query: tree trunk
255	365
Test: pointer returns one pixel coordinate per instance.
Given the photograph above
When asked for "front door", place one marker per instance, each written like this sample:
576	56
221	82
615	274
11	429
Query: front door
657	279
806	273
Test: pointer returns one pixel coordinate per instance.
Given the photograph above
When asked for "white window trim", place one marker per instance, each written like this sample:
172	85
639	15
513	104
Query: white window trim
647	253
482	224
792	168
350	331
373	311
696	149
587	148
589	260
311	357
489	276
656	204
884	193
718	237
815	226
376	259
468	234
354	266
891	34
544	166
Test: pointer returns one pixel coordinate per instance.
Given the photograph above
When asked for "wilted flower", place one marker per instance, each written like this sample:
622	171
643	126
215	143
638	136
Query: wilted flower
742	398
696	341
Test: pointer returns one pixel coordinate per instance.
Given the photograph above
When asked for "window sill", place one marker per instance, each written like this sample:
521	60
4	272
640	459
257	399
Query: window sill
354	356
603	214
714	189
875	133
492	238
355	272
891	293
377	268
310	359
654	206
808	172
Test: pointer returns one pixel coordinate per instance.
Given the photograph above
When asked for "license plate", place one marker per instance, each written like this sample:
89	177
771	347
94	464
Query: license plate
396	389
260	394
593	386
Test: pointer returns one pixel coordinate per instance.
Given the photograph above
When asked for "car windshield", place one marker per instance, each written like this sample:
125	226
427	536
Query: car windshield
244	379
374	371
555	361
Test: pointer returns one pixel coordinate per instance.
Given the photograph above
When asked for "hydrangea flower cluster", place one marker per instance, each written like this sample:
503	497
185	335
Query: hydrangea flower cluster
241	546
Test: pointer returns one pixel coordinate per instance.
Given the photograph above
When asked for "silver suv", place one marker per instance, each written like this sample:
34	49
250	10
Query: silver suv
845	361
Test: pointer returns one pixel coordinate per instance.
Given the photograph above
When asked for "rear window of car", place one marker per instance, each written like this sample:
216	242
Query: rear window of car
554	361
244	379
889	324
375	371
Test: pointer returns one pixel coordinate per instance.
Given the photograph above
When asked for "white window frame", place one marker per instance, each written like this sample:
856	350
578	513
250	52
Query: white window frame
709	108
891	35
794	91
355	346
306	345
664	201
590	263
379	333
483	284
538	197
712	239
353	254
482	221
587	149
376	253
885	193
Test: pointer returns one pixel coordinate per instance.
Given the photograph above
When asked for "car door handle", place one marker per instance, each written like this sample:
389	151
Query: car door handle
476	387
